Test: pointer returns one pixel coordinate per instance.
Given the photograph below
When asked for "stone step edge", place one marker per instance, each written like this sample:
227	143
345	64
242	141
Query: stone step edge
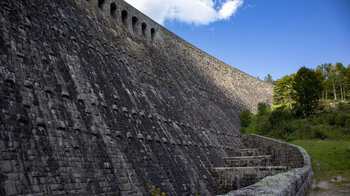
253	167
246	149
248	157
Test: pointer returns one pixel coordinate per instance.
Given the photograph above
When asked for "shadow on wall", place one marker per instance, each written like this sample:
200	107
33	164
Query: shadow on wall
107	111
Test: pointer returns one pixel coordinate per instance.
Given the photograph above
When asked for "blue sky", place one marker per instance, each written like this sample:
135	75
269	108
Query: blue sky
261	37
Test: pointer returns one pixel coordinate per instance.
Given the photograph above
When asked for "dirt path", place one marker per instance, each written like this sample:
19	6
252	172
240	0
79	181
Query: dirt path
328	188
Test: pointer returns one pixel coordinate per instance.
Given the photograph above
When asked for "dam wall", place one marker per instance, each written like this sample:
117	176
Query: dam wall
98	99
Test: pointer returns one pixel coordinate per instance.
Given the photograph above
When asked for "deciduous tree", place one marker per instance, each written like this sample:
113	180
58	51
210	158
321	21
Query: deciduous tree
283	91
308	91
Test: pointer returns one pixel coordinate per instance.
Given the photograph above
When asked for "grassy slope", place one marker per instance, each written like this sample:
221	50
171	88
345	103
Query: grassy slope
330	157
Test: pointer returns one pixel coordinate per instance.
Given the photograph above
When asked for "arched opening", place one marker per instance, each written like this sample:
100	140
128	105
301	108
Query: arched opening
153	32
144	28
134	22
100	3
124	16
113	8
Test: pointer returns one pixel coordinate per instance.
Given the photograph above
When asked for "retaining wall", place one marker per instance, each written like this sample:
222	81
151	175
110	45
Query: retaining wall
291	183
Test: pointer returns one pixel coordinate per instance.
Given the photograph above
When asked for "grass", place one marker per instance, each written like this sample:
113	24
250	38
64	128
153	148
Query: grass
328	123
325	136
329	158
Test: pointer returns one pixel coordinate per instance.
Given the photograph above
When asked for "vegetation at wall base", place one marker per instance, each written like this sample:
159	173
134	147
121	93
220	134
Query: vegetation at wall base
325	135
311	110
332	121
245	118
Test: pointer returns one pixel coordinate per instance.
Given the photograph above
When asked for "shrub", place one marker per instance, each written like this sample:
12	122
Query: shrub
279	115
290	127
321	118
343	107
341	119
320	135
332	118
263	125
262	109
245	118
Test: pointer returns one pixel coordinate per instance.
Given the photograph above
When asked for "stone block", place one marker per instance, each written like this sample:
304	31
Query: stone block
11	188
61	125
5	166
11	78
28	84
40	122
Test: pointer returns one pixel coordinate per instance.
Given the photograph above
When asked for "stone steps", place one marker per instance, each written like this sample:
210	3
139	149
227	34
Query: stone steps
248	161
238	177
245	168
247	152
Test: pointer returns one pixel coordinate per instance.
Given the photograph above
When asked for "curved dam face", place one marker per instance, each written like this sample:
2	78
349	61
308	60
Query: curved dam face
96	98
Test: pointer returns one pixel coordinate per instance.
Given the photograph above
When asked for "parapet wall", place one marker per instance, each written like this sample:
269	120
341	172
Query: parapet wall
93	104
294	182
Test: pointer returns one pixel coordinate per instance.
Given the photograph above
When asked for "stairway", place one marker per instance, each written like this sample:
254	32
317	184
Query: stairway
245	168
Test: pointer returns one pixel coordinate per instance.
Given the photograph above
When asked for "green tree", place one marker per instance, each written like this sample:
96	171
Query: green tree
347	80
332	77
268	79
336	74
283	91
245	118
341	70
323	71
308	91
263	109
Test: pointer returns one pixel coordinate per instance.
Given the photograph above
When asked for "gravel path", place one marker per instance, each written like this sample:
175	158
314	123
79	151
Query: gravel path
328	188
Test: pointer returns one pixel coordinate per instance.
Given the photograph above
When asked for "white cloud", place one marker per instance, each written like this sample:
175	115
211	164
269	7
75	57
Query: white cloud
199	12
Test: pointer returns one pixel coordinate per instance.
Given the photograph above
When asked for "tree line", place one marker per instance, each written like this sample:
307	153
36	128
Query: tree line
301	109
303	90
336	80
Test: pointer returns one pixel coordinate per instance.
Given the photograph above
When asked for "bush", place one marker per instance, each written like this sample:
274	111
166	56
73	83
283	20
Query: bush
343	107
290	127
282	123
320	135
332	118
340	106
341	119
263	125
262	109
279	115
245	118
321	118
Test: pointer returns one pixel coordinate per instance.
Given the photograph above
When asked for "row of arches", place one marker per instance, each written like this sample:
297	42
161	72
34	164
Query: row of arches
125	17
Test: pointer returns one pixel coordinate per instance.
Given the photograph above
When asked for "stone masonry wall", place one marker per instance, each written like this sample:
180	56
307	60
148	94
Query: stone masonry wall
96	98
295	182
283	154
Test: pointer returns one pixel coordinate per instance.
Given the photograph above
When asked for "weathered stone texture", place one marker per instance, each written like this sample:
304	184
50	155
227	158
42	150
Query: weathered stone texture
291	183
91	104
282	153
